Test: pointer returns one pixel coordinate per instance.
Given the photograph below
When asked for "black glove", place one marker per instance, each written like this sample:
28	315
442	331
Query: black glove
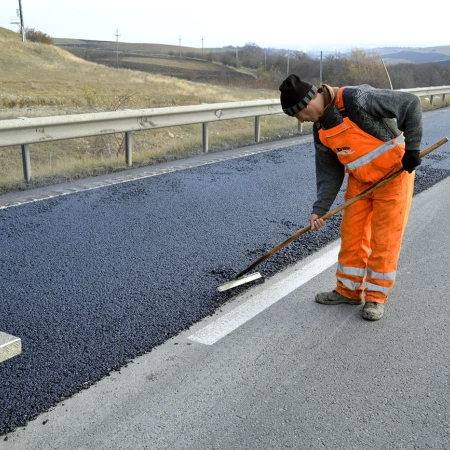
411	160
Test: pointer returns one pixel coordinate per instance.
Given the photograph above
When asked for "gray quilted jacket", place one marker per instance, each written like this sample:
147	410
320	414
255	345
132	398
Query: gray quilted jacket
380	112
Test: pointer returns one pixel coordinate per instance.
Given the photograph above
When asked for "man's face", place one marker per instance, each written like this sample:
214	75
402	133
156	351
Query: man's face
313	111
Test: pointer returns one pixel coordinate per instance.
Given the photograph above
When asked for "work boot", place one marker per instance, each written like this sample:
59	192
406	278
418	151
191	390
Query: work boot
373	311
334	298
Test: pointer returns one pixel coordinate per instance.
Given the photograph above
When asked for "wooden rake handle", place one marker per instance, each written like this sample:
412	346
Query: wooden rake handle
337	210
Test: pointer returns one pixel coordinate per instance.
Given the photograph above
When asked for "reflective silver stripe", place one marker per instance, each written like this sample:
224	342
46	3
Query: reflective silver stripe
376	288
375	153
293	110
350	284
382	276
356	271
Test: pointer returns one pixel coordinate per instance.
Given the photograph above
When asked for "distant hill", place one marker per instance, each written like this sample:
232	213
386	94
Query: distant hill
418	55
40	75
446	63
168	60
142	48
106	52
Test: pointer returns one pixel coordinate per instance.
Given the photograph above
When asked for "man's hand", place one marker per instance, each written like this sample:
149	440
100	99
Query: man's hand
411	160
316	222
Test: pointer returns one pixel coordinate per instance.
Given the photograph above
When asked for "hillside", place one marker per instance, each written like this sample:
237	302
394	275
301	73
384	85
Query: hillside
36	74
425	55
167	60
212	66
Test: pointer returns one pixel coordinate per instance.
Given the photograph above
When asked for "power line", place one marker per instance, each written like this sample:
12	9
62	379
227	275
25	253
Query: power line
22	28
117	46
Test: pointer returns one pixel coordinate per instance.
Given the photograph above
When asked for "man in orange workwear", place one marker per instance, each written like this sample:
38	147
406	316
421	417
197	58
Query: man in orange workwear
367	133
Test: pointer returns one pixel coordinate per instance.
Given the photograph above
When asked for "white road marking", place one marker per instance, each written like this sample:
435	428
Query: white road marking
224	325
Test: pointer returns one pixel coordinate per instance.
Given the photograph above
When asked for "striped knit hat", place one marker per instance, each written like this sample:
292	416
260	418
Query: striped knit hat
295	94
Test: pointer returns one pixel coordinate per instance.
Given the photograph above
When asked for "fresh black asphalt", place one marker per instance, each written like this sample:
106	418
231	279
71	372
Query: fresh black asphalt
93	279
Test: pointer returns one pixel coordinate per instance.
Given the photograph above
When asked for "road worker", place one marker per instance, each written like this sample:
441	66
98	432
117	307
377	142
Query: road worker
369	134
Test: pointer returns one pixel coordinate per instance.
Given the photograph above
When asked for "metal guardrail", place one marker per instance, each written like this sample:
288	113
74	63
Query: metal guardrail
24	131
430	92
42	129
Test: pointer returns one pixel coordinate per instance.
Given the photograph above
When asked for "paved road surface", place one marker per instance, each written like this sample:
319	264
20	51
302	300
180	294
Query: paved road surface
83	309
298	375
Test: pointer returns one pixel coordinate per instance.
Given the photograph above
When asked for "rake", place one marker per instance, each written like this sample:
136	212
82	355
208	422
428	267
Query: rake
242	277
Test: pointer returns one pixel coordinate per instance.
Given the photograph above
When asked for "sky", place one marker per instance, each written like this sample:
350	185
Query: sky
294	25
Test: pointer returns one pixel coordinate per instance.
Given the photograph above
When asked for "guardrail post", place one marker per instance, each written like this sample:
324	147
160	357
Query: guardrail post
128	149
300	127
205	137
443	98
431	99
257	128
26	163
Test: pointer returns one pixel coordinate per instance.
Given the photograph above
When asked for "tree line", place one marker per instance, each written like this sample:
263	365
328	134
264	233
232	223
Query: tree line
339	69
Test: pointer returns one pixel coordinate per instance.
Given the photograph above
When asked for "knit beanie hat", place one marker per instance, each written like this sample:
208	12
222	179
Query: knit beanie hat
295	94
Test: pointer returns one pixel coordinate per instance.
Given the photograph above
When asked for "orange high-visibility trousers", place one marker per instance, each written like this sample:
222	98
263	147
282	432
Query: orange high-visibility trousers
371	235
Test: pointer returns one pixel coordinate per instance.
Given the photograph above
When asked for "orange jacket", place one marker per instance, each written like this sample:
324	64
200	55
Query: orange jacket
364	156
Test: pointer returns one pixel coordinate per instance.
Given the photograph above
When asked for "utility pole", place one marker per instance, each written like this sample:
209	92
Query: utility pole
237	58
179	39
321	68
287	64
22	28
202	46
117	47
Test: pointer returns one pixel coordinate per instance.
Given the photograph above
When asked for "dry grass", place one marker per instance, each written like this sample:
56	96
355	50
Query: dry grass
437	103
36	74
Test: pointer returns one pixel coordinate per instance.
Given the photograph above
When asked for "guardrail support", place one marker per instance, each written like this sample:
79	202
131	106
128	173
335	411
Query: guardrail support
300	127
26	163
128	149
205	136
257	128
